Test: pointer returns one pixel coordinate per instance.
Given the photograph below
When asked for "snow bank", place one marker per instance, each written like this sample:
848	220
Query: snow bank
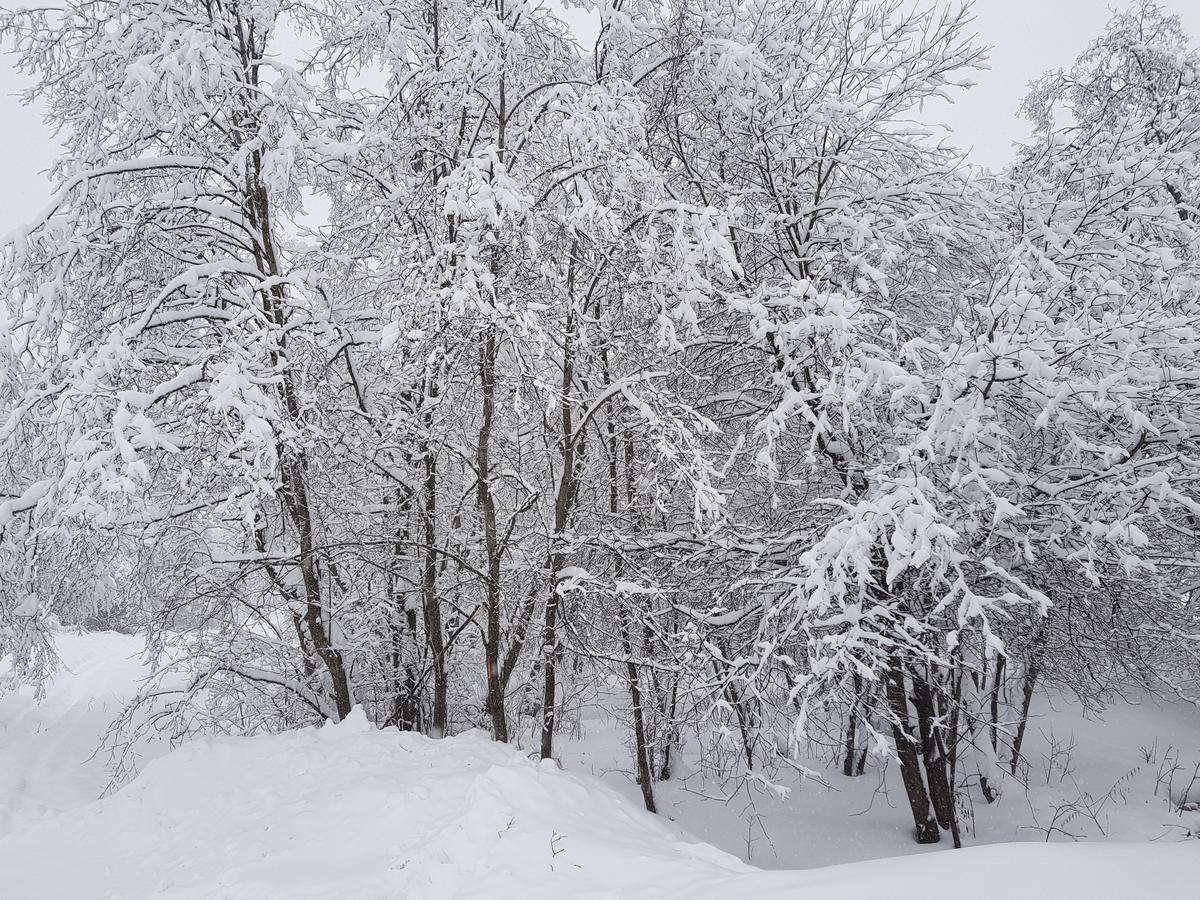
349	812
48	750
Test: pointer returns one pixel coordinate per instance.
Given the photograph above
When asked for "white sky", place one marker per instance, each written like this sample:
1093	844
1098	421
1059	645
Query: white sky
1026	38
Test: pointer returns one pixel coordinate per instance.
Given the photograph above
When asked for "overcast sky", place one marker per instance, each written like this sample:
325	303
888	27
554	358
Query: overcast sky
1026	38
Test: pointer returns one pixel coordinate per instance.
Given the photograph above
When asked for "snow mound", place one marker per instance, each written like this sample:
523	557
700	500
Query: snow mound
349	812
49	759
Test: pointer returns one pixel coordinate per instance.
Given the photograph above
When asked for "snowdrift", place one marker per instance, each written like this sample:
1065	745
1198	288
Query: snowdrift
350	812
50	761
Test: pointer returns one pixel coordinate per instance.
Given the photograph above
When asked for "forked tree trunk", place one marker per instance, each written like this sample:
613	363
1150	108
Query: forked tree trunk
933	756
1033	671
641	747
927	831
739	711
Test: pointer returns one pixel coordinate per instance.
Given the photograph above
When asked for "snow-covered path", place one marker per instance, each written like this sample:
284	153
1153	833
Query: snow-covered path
48	750
347	811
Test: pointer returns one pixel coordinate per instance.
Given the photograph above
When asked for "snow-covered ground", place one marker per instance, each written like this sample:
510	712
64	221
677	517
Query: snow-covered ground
1116	776
350	812
48	751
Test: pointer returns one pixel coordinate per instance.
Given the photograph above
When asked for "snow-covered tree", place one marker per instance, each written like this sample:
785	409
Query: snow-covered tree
180	358
685	372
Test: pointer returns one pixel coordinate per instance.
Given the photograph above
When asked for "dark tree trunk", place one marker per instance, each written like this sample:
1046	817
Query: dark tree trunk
516	640
641	750
948	744
927	831
641	747
406	701
670	739
491	536
666	697
564	500
434	636
1033	671
735	702
549	649
852	728
315	614
406	711
293	464
990	794
941	795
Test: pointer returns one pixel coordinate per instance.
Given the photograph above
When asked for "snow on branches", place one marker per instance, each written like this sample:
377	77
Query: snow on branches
687	362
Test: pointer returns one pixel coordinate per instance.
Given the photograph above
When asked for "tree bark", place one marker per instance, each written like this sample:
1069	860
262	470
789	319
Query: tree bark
564	499
941	795
549	649
487	505
293	466
852	728
406	702
641	750
669	735
927	831
435	638
1033	671
641	747
990	794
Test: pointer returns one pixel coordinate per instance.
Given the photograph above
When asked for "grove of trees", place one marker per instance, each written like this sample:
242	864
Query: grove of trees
449	368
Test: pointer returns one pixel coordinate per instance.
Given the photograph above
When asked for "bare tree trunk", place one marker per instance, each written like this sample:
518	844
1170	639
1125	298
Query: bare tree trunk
951	747
487	504
948	744
549	650
641	747
670	738
666	697
434	635
645	776
564	499
933	755
990	794
927	831
994	707
493	664
516	639
406	701
851	728
293	466
1033	671
732	698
